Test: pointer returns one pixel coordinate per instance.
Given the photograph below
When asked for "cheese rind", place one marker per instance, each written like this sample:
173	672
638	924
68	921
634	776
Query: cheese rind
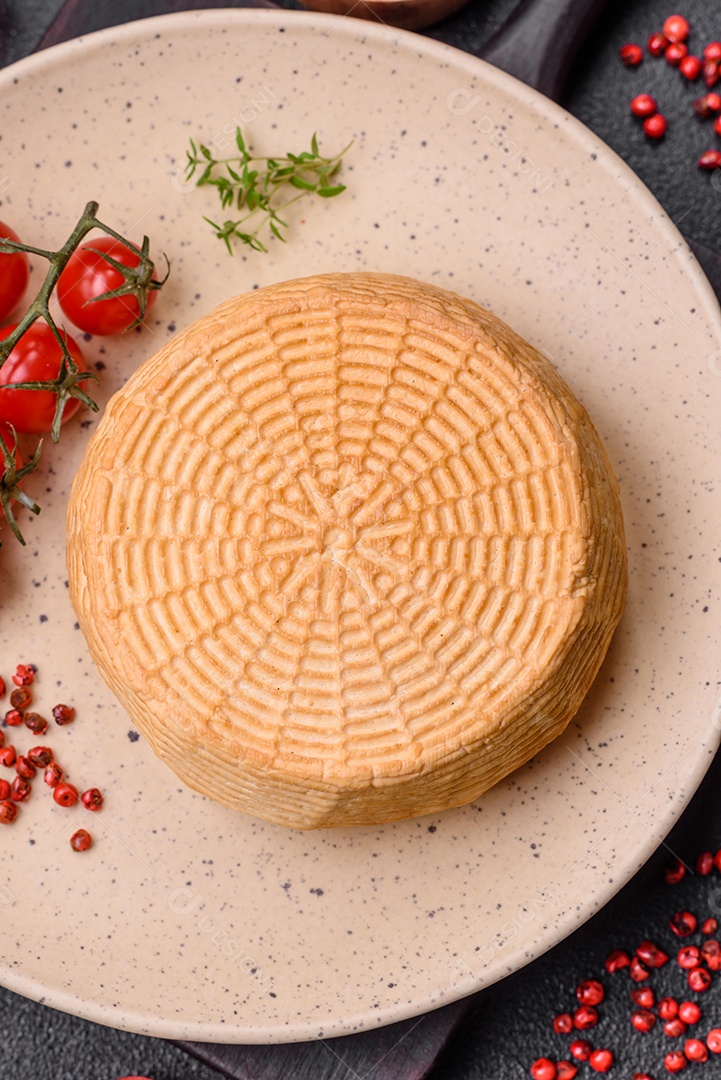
348	550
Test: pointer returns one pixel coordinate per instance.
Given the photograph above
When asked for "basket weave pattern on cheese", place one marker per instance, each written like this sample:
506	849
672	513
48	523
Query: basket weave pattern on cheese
347	550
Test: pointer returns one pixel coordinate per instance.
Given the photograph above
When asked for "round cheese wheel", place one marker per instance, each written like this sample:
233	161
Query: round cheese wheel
347	550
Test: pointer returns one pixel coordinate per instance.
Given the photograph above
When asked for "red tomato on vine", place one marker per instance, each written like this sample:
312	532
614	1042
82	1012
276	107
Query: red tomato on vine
36	358
88	276
14	273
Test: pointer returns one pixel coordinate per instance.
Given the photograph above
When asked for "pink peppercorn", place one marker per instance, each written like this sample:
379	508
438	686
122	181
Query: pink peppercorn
674	872
563	1023
654	127
699	980
668	1008
637	971
590	992
689	1012
631	54
601	1060
683	923
710	159
709	926
543	1069
581	1049
695	1050
676	28
704	863
650	954
711	953
643	996
675	53
584	1018
713	1040
688	957
617	960
690	68
642	1020
657	44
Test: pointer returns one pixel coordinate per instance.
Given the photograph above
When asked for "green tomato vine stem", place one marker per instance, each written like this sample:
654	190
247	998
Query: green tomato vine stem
138	281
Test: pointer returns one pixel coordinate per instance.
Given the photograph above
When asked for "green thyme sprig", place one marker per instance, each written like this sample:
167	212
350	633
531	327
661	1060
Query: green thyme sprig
258	186
138	281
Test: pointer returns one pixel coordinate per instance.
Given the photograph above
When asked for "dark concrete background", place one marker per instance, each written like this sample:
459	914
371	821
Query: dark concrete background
508	1026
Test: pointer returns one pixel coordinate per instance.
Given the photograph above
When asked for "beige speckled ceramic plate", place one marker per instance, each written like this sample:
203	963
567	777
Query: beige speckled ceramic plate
192	921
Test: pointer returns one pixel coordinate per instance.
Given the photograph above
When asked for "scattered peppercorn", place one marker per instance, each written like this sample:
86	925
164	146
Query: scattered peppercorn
675	53
53	775
713	1040
643	996
649	954
4	790
82	840
92	799
24	767
657	44
617	960
40	756
584	1018
581	1049
689	1012
676	28
695	1050
65	794
7	755
601	1060
674	872
637	971
675	1061
643	105
24	675
631	55
36	723
688	957
590	992
711	953
683	923
699	980
690	68
710	159
20	789
9	811
63	714
668	1008
710	71
655	126
709	926
13	718
21	697
642	1020
674	1028
565	1070
704	863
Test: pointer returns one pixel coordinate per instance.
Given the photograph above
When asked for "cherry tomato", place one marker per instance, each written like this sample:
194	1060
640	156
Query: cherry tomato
36	357
14	274
88	275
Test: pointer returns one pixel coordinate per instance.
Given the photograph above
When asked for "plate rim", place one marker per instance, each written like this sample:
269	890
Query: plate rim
675	245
